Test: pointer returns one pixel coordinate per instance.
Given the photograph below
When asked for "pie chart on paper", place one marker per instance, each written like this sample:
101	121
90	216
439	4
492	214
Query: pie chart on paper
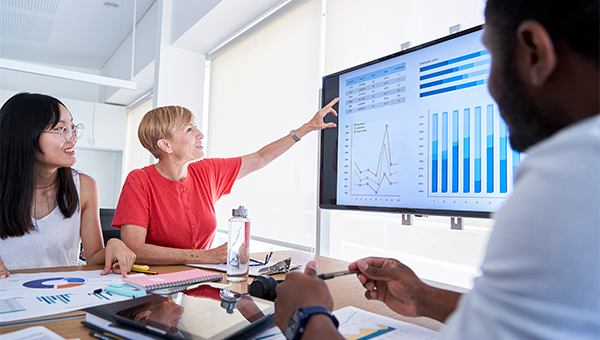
55	282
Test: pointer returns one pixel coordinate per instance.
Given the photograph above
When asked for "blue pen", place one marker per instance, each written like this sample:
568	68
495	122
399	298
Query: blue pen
118	289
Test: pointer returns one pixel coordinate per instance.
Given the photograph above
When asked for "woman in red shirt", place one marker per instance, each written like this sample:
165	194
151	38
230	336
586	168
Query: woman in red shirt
166	210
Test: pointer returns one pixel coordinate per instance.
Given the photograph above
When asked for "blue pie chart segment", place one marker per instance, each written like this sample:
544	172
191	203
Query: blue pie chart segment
55	282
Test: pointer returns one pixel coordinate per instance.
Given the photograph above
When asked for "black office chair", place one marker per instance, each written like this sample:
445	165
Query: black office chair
106	217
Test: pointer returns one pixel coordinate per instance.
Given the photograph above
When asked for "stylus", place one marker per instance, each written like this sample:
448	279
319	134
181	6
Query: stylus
342	273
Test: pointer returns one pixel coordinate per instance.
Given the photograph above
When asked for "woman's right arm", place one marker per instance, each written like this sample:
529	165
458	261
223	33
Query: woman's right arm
3	271
134	237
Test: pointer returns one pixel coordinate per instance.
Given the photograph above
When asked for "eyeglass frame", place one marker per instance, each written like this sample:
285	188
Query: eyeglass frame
76	128
259	263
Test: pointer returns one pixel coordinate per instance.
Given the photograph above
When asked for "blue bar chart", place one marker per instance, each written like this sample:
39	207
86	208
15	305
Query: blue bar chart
459	136
490	148
466	150
477	155
454	74
50	299
503	161
516	160
455	151
434	153
445	152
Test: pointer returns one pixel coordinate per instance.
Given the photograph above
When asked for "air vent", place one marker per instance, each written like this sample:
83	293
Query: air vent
35	6
25	26
30	20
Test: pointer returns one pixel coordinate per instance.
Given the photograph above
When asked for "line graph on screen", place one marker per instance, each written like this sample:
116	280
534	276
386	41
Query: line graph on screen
369	179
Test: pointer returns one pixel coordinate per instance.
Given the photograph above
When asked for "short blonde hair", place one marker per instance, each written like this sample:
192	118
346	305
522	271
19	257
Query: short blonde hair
161	123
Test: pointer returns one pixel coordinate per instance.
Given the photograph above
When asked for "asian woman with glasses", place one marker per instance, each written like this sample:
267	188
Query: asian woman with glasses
46	207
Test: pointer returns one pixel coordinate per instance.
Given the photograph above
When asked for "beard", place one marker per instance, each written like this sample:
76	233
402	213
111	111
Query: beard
528	122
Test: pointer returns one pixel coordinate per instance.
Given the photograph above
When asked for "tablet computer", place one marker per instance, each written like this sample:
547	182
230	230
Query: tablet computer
202	313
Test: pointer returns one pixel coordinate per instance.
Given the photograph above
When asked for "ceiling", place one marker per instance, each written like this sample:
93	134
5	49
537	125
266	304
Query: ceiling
72	33
82	35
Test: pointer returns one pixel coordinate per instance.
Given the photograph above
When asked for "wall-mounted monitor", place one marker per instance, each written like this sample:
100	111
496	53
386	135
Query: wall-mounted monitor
417	133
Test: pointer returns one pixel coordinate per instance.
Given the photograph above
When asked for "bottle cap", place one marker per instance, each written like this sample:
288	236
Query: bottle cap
241	211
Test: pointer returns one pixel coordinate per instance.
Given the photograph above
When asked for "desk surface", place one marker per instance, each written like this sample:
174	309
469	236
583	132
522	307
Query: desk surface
346	291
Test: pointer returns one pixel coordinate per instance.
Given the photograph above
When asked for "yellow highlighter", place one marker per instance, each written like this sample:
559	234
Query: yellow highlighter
140	267
135	266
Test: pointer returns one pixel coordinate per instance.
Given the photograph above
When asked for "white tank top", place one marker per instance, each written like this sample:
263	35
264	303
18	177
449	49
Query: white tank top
55	243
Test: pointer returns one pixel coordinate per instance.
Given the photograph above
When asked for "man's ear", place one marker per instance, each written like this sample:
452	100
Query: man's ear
164	145
537	54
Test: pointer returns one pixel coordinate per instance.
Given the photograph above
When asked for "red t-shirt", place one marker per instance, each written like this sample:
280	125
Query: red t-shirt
177	214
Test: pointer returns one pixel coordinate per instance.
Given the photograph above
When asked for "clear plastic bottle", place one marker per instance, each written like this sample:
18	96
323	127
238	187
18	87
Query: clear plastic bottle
238	255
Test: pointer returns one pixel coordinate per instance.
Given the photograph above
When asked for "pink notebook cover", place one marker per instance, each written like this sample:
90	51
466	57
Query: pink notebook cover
187	277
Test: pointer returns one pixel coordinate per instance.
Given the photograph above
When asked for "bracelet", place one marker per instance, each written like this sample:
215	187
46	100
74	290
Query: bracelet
294	137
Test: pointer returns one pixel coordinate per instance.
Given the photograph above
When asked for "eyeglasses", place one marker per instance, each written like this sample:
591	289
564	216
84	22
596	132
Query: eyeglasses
259	263
67	132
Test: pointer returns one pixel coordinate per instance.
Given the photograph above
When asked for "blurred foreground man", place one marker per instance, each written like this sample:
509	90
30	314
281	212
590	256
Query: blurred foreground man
541	270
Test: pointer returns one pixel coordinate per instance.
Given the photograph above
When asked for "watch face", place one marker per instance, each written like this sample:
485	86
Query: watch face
293	325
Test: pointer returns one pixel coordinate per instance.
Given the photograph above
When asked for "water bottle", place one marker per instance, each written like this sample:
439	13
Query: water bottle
238	255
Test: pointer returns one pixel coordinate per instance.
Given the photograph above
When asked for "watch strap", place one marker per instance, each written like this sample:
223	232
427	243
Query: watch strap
303	314
294	137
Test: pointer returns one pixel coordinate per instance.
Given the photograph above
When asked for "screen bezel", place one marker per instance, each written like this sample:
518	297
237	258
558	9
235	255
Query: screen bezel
326	157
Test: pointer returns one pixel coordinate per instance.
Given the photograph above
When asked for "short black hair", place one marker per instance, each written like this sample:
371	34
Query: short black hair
574	21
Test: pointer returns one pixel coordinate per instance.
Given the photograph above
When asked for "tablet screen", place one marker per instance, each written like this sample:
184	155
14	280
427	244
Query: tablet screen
201	313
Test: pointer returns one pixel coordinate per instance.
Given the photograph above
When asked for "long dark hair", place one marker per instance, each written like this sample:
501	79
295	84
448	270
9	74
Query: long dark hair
22	119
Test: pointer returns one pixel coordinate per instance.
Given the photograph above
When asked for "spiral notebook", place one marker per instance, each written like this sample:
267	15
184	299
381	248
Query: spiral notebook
184	278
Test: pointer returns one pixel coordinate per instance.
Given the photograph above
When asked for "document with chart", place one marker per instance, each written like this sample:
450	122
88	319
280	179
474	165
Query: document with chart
25	296
357	324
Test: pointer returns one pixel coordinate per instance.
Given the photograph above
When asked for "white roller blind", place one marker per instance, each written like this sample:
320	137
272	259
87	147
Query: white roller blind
260	89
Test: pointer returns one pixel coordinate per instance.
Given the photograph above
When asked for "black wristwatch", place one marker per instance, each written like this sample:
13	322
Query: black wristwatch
295	326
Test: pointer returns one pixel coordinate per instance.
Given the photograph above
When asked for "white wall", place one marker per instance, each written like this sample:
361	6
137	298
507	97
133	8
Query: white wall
361	30
105	167
135	156
119	64
179	73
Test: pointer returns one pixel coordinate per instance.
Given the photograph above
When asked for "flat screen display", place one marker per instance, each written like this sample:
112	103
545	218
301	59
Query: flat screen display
418	132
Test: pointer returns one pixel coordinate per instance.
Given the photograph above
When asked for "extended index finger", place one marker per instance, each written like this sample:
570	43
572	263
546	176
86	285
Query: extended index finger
331	103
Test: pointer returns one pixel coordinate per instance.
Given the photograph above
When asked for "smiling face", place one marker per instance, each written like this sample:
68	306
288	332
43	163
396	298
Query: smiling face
186	143
56	153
